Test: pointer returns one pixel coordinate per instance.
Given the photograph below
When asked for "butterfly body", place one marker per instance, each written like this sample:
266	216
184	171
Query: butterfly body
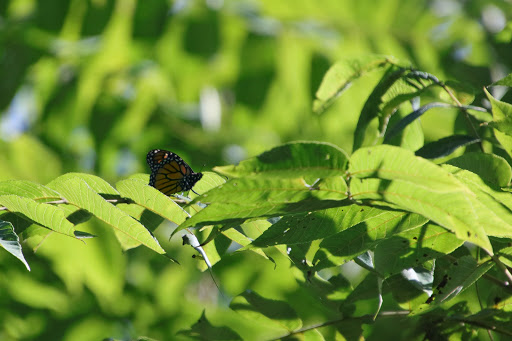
169	173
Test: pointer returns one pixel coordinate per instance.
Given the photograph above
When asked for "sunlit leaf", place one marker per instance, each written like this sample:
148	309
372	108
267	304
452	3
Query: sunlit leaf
45	214
296	159
414	184
491	168
78	192
341	75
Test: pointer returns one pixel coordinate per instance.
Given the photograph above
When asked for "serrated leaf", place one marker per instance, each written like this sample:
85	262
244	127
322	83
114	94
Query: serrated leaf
10	241
452	210
371	108
394	163
78	192
404	122
296	159
464	93
364	235
28	189
505	81
500	112
152	199
445	146
94	182
254	307
47	215
241	199
491	168
306	227
413	247
493	207
464	273
341	75
206	331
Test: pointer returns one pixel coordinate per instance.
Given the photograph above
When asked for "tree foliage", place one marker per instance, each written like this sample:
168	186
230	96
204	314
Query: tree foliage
379	194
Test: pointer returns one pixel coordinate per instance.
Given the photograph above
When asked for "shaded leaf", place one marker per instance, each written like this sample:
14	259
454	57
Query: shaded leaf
464	272
10	241
364	235
404	122
411	248
240	199
445	146
501	111
204	330
257	308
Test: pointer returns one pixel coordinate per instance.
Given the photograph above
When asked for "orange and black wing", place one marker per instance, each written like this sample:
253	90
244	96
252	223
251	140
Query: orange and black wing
169	173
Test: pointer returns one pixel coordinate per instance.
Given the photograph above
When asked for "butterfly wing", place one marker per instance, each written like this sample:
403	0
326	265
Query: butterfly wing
169	173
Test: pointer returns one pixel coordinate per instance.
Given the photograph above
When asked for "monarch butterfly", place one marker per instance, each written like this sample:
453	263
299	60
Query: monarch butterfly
169	173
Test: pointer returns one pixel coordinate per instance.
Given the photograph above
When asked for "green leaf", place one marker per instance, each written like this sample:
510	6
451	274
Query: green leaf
79	193
341	75
445	146
306	227
493	207
45	214
28	189
296	159
371	108
10	242
152	199
204	330
394	163
368	232
501	112
417	185
404	122
413	247
491	168
506	81
257	308
244	198
94	182
464	272
464	93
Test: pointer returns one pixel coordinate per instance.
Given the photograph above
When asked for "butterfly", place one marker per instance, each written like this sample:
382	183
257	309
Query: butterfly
169	173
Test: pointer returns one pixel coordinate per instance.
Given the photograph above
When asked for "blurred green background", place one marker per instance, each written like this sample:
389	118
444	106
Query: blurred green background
91	86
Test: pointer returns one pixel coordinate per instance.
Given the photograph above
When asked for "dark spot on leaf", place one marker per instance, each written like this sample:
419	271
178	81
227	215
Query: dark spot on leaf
440	292
455	263
469	234
415	238
425	255
443	282
361	210
404	241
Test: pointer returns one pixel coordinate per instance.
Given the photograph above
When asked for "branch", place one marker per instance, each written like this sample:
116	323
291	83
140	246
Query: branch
369	318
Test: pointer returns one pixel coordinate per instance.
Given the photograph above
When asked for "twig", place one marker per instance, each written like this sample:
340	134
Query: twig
369	318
